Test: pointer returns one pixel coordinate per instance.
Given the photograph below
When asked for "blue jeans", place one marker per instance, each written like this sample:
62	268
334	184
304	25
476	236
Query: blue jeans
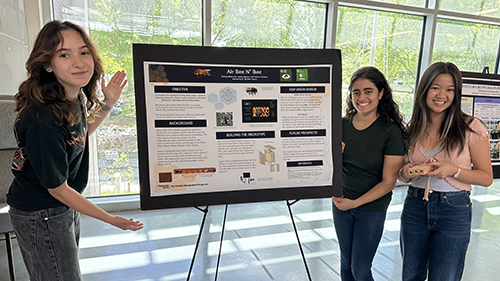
359	232
48	240
435	234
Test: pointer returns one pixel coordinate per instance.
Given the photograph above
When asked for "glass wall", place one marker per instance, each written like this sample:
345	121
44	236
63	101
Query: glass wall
13	45
268	24
471	46
418	3
388	41
489	8
114	26
400	37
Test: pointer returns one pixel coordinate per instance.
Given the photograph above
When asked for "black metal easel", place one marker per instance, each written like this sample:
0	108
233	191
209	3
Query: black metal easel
205	211
220	244
297	235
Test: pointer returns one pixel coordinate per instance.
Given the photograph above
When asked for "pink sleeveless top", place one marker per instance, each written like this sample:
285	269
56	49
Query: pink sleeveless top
462	160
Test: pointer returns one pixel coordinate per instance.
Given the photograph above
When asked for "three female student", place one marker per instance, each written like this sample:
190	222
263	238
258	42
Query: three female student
57	109
372	135
436	217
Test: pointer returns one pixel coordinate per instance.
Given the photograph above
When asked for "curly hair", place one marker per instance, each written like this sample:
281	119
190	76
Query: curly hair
42	87
455	123
387	108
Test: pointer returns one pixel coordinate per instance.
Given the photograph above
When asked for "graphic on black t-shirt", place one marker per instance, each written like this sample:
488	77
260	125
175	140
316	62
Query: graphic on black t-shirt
78	141
19	159
19	155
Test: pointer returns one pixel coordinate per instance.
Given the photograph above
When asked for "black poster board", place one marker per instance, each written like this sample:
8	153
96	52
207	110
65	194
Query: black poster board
223	125
481	98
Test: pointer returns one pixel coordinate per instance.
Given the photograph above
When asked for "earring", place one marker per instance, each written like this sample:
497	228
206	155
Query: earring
49	70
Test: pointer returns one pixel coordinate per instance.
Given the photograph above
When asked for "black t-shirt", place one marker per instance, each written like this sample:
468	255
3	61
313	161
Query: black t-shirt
363	158
47	155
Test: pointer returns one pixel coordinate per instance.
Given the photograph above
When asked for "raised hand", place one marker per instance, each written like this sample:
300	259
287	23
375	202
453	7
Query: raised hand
113	90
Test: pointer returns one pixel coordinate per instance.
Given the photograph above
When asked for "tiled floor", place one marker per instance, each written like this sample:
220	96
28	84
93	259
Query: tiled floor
259	243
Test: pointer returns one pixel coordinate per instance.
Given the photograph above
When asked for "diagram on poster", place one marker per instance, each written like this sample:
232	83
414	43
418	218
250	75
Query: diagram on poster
225	128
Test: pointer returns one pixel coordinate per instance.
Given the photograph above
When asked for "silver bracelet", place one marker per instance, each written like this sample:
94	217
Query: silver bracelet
106	108
457	173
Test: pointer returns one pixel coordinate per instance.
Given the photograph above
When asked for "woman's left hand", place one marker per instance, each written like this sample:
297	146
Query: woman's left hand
114	88
442	170
344	204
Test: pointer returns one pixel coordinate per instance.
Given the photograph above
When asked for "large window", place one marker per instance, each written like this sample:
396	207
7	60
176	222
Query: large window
387	34
418	3
387	41
488	8
268	24
114	25
471	46
13	46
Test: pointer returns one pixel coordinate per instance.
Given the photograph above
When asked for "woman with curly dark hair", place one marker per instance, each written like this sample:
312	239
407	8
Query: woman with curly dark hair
51	162
373	149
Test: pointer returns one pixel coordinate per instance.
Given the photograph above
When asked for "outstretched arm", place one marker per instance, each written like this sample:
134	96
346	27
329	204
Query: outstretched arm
76	201
112	92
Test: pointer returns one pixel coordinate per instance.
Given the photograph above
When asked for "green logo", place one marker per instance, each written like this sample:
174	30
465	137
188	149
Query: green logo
302	74
285	75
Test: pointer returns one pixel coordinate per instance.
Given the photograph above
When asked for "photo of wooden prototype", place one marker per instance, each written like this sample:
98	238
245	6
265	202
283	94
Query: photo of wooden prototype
418	170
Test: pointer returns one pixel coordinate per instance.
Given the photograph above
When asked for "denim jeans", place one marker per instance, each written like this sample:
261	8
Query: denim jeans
48	240
435	235
359	232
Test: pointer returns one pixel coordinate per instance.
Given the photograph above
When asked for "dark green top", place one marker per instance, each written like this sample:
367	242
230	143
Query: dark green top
48	154
363	158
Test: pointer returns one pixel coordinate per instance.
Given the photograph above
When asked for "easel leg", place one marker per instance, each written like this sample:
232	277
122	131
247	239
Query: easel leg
10	257
205	211
221	240
297	235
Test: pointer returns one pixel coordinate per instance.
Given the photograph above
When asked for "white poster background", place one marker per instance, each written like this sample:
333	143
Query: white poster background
185	159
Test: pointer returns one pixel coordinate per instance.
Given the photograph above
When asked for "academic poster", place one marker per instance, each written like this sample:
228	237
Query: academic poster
226	128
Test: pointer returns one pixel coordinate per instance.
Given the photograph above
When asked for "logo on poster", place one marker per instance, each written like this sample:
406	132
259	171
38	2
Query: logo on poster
302	74
285	75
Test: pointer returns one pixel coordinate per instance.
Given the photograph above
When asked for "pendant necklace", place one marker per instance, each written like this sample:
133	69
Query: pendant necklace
429	135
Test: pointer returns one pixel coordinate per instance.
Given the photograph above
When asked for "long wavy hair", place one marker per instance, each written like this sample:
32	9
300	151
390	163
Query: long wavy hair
455	122
387	108
42	87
